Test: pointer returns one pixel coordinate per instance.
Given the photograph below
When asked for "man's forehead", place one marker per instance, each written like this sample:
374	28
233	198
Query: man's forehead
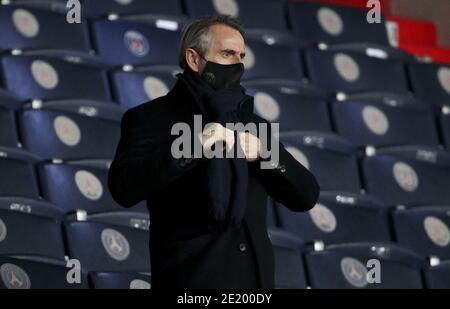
225	37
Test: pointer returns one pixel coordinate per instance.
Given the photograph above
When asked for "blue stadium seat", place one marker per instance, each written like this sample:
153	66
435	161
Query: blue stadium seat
104	246
18	176
45	77
348	71
289	269
373	50
408	175
316	23
35	28
424	230
136	42
8	127
270	54
79	185
322	153
264	14
144	84
35	273
338	218
295	106
431	82
346	267
383	119
75	129
30	227
438	277
119	280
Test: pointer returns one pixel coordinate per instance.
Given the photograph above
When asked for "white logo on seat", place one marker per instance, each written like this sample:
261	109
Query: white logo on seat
138	284
437	231
14	277
330	21
154	87
226	7
347	68
124	2
89	185
375	120
405	176
444	78
323	218
3	230
136	43
67	130
25	23
267	106
115	244
298	155
354	272
44	74
249	60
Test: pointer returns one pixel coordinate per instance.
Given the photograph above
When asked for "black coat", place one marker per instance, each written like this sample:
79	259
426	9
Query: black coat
188	248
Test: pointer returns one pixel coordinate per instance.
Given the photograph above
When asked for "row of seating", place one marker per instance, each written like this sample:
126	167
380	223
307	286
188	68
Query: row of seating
356	265
54	75
32	22
342	217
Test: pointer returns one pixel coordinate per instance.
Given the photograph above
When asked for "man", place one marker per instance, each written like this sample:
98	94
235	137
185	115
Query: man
208	216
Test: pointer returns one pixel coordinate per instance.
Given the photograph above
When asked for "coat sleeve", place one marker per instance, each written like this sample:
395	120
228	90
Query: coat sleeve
288	182
143	164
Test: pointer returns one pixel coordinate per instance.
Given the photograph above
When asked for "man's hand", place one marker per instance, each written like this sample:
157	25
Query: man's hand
251	145
215	133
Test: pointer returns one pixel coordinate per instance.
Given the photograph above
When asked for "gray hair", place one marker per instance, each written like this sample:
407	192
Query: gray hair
196	35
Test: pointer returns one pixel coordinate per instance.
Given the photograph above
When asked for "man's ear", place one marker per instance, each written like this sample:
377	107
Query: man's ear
193	59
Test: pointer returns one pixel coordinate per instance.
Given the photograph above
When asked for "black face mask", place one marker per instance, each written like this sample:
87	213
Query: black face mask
221	76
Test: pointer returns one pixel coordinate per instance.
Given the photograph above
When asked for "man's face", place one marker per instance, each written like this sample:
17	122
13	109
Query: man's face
227	46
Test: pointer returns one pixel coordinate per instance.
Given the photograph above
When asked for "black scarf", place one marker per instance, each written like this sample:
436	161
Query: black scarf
227	178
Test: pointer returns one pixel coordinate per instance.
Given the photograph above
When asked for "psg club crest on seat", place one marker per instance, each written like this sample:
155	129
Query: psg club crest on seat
136	43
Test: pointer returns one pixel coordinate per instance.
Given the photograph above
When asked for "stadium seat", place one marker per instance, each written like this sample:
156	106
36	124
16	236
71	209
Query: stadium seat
141	85
119	280
349	266
348	71
438	277
289	269
265	14
269	54
35	273
45	77
18	174
383	119
295	106
408	175
75	129
424	230
324	23
322	153
431	83
135	42
103	246
8	127
35	28
79	185
372	50
338	218
30	227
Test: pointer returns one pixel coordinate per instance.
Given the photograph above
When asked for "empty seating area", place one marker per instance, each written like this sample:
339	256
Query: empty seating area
354	106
